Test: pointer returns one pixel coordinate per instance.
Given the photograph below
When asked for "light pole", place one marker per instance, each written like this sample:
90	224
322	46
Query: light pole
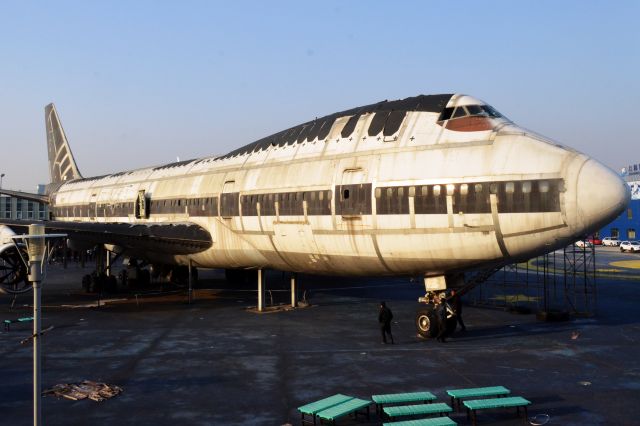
37	252
1	176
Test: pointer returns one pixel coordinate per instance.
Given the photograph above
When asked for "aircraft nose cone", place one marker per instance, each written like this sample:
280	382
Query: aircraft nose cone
601	195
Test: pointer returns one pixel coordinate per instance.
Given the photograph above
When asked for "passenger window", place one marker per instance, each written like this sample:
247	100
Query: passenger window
509	187
436	190
378	192
526	187
450	189
543	186
321	195
464	189
400	192
412	191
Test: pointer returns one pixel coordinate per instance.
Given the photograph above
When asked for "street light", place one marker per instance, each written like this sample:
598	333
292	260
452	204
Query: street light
38	252
1	176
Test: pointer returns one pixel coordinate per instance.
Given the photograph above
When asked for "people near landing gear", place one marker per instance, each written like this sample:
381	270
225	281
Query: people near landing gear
384	318
456	301
441	317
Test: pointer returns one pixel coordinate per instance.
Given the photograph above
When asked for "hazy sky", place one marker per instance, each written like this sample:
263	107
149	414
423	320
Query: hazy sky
139	83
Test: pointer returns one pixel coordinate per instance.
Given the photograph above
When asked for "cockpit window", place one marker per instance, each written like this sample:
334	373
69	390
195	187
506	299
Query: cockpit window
471	110
491	111
460	112
474	110
446	114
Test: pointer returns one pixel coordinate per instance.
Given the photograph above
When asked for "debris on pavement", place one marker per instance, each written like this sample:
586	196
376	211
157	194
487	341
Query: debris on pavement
87	389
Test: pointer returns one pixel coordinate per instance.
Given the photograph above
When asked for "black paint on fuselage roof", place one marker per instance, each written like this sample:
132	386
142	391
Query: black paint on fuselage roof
426	103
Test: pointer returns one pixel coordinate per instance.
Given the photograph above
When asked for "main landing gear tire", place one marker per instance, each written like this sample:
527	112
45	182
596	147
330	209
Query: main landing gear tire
426	322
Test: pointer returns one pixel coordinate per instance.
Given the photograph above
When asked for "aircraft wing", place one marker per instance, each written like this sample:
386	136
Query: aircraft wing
172	238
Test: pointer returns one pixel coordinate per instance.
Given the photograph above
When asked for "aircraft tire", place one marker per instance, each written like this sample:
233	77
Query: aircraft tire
426	323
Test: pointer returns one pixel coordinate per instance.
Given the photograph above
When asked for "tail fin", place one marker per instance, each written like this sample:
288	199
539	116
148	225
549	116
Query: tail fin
62	166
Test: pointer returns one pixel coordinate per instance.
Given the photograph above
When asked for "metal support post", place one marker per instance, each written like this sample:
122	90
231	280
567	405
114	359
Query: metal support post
260	291
190	281
294	296
36	250
108	266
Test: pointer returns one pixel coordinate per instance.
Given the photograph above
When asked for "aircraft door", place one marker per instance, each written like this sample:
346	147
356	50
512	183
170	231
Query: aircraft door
141	211
229	200
353	195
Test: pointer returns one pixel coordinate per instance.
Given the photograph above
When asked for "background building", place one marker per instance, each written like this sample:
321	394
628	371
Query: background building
627	225
19	208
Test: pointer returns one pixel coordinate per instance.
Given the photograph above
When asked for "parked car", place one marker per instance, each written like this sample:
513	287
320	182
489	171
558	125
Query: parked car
595	241
583	244
632	246
610	241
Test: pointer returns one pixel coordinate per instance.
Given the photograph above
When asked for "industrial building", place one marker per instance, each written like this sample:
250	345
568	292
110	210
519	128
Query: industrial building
20	208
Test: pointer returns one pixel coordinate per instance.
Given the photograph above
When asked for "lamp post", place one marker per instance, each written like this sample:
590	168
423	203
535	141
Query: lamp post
1	176
36	249
36	243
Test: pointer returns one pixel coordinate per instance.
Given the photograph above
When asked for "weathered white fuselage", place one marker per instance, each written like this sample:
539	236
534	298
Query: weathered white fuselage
423	158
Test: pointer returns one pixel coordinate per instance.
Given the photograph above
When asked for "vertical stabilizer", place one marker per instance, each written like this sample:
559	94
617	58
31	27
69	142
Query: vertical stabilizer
62	166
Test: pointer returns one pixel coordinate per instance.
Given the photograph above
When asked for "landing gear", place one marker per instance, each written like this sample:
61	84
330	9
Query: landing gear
426	322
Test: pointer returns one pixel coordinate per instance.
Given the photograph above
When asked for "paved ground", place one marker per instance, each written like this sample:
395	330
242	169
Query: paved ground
213	362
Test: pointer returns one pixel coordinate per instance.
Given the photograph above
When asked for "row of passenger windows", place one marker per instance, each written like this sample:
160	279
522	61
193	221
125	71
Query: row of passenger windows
355	199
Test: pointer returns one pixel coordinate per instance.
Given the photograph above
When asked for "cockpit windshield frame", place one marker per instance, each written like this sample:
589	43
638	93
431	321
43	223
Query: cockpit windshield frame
452	113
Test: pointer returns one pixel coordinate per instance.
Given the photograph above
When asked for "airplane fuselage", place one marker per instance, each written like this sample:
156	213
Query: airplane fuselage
387	192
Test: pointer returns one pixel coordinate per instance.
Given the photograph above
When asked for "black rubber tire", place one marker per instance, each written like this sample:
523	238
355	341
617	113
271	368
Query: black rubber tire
426	323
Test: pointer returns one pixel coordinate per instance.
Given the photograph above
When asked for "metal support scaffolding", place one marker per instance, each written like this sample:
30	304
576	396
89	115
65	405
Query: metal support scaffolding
560	281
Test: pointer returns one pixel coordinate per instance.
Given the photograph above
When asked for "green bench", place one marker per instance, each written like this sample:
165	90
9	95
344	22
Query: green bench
313	408
401	398
459	394
7	323
419	409
348	407
434	421
485	404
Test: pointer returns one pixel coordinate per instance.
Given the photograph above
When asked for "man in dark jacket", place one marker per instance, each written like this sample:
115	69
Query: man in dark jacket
457	308
441	317
384	318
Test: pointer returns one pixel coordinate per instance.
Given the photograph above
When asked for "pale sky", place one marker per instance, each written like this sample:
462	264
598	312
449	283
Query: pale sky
139	83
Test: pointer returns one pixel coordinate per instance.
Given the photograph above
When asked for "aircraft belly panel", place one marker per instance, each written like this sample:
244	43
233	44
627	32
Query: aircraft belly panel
437	251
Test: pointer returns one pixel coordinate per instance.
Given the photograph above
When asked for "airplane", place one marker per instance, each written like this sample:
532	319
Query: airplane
432	185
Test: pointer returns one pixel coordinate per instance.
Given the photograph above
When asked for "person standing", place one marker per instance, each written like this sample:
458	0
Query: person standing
441	317
384	318
456	301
